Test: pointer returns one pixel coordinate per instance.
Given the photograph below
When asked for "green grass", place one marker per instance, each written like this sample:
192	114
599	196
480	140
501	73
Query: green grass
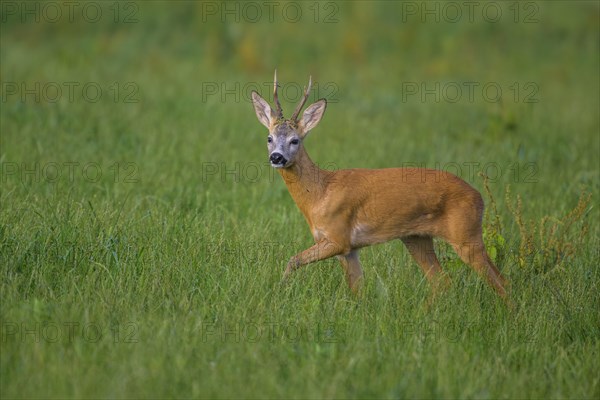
160	277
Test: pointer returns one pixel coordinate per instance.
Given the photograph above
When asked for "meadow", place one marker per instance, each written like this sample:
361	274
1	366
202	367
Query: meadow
143	235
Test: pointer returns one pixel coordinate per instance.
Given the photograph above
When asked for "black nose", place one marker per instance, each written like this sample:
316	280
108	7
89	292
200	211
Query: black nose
277	158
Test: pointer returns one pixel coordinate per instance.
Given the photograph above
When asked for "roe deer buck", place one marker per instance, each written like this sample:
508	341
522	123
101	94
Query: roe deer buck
350	209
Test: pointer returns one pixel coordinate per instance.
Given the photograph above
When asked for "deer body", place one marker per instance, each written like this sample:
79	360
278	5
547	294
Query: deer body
353	208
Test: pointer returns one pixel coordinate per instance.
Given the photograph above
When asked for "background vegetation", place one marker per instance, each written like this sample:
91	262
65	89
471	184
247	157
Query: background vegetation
143	236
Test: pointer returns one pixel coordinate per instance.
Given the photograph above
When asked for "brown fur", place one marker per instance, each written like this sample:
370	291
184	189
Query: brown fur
411	204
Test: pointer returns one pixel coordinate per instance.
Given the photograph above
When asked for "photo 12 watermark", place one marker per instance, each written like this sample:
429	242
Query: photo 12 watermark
249	252
68	332
236	92
517	172
252	332
70	91
438	332
248	172
470	92
68	171
492	12
53	12
292	12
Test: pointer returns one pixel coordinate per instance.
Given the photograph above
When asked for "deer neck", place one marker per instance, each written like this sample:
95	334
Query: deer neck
305	181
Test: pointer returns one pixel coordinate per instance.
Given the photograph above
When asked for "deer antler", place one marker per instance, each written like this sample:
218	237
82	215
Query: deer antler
304	98
275	98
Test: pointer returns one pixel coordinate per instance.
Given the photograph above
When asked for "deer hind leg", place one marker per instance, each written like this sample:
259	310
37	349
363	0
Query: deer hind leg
474	254
352	269
421	248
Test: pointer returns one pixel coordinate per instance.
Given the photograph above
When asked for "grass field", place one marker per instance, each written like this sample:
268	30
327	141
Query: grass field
143	234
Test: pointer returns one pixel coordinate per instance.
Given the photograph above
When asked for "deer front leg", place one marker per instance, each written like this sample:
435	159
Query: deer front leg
320	251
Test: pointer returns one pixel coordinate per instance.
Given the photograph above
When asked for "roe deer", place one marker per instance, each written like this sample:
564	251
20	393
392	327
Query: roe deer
350	209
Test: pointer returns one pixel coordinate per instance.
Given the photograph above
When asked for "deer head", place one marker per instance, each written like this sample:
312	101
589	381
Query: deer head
286	135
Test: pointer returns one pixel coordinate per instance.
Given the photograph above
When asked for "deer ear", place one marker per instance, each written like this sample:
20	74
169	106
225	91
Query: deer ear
312	115
263	110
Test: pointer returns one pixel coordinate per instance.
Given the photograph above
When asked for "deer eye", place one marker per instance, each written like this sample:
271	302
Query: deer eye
294	142
269	139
